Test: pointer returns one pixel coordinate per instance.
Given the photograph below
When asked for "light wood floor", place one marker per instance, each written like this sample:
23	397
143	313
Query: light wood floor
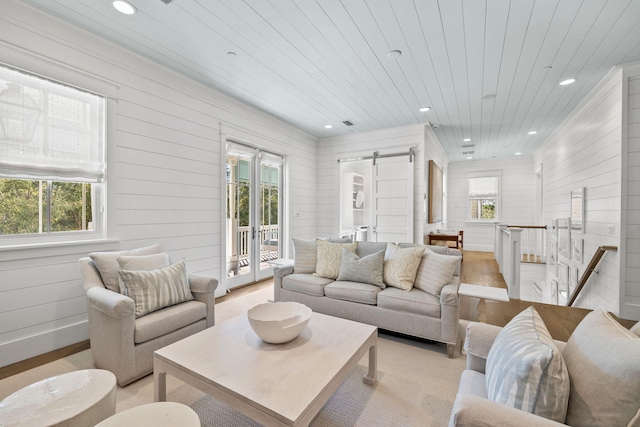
478	268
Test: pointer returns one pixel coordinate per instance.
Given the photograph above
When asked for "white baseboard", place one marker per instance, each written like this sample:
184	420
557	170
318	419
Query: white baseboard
19	350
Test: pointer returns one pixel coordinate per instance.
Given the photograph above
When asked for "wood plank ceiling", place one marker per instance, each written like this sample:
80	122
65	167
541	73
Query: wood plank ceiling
317	62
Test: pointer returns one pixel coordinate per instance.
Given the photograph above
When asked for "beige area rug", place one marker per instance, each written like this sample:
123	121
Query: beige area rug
417	384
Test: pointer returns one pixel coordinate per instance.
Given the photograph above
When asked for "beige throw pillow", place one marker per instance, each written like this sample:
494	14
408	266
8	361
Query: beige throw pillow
107	264
401	265
435	271
156	289
603	359
329	257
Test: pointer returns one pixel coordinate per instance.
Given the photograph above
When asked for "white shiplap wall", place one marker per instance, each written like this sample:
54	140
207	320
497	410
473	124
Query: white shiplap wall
516	198
630	294
585	151
164	172
387	141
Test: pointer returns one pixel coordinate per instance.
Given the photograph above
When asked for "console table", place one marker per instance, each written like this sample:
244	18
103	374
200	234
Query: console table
456	238
483	293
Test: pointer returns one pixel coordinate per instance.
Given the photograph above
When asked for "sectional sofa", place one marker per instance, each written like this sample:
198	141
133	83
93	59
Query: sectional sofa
421	300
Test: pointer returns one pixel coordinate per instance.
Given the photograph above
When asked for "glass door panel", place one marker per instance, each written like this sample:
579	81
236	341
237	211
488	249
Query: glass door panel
270	241
239	208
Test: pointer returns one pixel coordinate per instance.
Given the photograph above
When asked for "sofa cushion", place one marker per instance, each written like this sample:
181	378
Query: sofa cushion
330	257
367	269
107	264
306	283
156	289
435	271
412	301
167	320
368	248
363	293
305	256
603	359
401	265
525	369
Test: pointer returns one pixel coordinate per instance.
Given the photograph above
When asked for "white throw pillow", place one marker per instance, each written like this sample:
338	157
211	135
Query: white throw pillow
603	359
305	256
156	289
401	265
435	272
329	257
142	262
525	369
107	264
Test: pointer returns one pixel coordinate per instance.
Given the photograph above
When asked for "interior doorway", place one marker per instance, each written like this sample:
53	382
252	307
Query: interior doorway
254	183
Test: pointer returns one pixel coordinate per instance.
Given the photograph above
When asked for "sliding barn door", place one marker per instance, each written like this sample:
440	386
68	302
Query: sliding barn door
393	199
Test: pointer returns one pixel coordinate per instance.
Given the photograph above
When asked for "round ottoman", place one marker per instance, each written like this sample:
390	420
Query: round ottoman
159	414
79	398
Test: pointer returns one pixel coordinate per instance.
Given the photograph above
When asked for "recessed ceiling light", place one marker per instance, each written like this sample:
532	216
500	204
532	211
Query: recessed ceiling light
532	132
469	157
518	153
124	7
394	53
567	82
488	97
328	126
423	109
466	140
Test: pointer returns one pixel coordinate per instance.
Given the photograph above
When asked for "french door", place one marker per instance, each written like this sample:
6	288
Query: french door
254	185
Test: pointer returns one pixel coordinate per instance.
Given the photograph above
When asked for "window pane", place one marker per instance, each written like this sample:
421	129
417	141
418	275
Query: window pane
20	204
68	211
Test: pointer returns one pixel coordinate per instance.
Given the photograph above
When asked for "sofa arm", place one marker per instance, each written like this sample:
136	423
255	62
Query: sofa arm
283	270
475	411
201	284
449	293
478	341
110	303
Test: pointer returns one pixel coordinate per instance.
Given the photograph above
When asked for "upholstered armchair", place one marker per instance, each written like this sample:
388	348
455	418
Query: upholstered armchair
125	330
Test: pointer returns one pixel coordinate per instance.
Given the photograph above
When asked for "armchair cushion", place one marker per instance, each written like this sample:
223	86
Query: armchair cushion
167	320
107	264
525	369
603	361
156	289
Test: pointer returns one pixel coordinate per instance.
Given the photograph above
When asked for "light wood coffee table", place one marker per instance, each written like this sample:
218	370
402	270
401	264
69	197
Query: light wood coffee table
276	385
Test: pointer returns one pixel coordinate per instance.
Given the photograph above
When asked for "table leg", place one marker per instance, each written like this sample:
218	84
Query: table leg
160	386
371	377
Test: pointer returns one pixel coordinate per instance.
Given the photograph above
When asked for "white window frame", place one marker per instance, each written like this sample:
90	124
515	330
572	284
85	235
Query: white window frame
498	210
57	73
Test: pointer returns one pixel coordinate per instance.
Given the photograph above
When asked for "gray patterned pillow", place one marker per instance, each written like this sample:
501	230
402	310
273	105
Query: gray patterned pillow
305	256
156	289
107	264
367	269
142	262
401	265
330	257
435	272
525	369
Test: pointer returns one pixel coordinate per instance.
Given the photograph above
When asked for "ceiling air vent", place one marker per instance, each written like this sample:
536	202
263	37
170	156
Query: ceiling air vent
347	123
167	1
467	152
468	146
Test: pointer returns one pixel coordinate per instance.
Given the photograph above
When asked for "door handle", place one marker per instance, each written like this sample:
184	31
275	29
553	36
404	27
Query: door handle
374	229
253	233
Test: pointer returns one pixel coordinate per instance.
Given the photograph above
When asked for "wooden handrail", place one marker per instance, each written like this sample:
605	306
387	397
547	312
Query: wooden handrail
590	269
542	227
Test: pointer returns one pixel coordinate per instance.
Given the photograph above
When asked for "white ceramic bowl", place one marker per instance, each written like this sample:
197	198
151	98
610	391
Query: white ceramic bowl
279	322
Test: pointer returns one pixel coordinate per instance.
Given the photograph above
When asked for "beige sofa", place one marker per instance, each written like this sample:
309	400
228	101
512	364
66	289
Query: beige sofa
122	342
603	367
413	312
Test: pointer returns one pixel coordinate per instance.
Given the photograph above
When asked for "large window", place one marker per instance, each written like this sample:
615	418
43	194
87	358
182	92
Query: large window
483	198
51	156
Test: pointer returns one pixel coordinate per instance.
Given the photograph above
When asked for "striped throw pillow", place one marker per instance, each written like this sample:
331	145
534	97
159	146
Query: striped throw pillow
156	289
525	369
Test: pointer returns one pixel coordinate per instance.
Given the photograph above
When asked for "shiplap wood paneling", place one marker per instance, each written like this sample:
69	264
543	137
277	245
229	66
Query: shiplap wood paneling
516	198
164	172
585	151
388	141
630	293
